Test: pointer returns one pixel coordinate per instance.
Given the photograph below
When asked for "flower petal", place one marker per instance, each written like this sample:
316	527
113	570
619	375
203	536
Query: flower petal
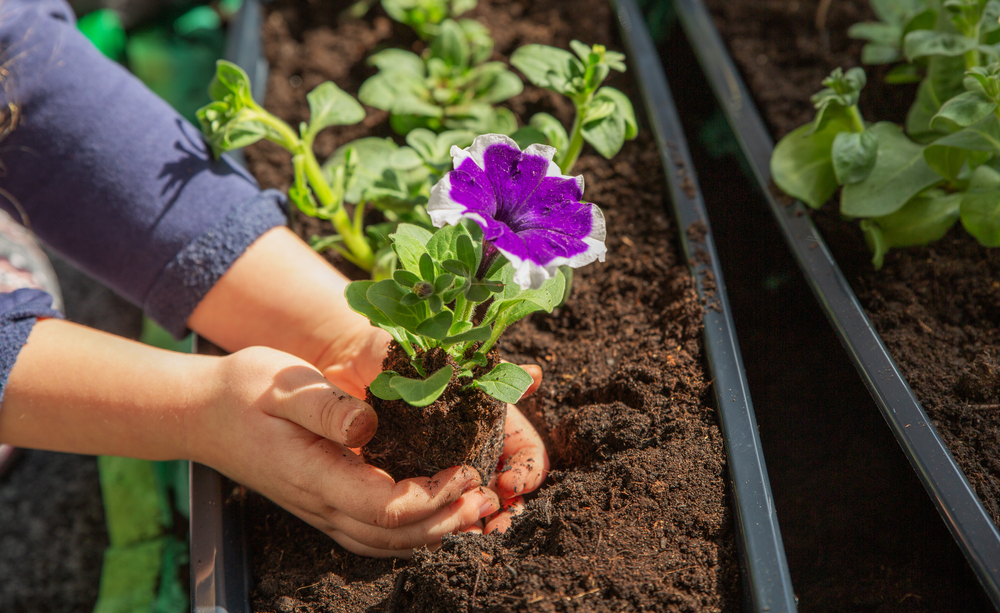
478	146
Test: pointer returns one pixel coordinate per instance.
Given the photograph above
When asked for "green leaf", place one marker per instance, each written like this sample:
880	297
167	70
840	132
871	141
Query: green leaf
526	136
609	122
876	242
466	251
380	387
386	296
924	219
980	209
900	173
874	54
877	32
426	267
479	334
331	106
399	60
949	162
443	244
372	155
357	298
504	86
450	44
926	43
512	303
894	11
962	111
983	136
229	79
405	278
437	327
853	155
902	74
422	392
548	67
478	38
506	382
552	129
943	82
802	165
408	241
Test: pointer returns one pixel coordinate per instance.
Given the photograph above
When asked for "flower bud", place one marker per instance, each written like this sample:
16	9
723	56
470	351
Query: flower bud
423	289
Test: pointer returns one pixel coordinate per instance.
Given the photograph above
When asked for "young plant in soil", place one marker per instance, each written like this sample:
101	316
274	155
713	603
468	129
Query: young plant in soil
508	220
910	187
450	86
604	116
425	16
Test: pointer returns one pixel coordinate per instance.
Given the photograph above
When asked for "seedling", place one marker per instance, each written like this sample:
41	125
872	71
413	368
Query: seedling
451	86
604	116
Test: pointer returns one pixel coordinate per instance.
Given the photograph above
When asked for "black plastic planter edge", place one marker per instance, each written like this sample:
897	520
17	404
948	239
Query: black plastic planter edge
220	572
944	481
767	583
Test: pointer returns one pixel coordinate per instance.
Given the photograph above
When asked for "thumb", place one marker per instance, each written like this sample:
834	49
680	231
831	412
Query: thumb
317	405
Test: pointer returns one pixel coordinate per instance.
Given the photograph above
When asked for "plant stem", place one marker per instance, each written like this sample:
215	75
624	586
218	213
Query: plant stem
857	121
353	238
353	235
576	139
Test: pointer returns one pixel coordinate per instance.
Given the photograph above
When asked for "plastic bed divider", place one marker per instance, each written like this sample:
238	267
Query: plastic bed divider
219	567
767	583
960	508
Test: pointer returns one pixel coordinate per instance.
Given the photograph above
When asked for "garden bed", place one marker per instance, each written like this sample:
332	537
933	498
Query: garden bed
936	321
635	513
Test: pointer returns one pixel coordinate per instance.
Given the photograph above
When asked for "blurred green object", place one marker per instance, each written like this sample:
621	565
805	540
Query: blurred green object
104	28
178	67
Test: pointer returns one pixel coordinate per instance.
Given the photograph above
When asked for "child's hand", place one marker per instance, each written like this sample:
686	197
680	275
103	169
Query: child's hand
279	427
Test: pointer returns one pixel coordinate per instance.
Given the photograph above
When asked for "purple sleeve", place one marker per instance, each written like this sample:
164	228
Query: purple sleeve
109	176
19	310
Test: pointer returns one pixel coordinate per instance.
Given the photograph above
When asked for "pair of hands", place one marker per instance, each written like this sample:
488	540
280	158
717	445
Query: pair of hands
269	400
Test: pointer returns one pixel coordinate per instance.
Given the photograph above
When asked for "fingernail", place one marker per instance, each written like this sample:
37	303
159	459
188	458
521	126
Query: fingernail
489	507
360	426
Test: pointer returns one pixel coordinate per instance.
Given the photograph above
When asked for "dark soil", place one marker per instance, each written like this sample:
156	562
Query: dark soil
463	426
634	515
860	532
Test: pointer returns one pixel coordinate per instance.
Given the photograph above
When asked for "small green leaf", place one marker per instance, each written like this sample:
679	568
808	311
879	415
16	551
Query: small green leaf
426	266
548	67
924	219
526	136
962	111
802	165
480	334
854	156
386	296
876	32
437	327
457	268
902	74
443	282
380	387
357	298
466	251
980	210
423	392
949	162
876	242
399	60
405	278
552	129
450	44
983	136
506	382
331	106
900	173
503	86
435	303
925	43
943	82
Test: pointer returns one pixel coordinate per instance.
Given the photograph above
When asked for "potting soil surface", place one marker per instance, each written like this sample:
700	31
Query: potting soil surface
635	514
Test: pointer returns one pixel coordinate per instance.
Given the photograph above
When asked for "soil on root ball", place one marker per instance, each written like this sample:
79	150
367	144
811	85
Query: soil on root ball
634	515
462	427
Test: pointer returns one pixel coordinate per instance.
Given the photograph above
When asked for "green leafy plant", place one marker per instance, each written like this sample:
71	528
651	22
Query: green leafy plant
425	16
904	192
451	86
234	120
604	116
431	301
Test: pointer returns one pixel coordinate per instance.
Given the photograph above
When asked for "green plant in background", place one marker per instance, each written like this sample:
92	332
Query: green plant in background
425	16
451	86
604	116
904	192
234	120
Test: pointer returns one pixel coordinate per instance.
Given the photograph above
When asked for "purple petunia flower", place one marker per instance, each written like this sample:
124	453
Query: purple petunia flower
528	211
